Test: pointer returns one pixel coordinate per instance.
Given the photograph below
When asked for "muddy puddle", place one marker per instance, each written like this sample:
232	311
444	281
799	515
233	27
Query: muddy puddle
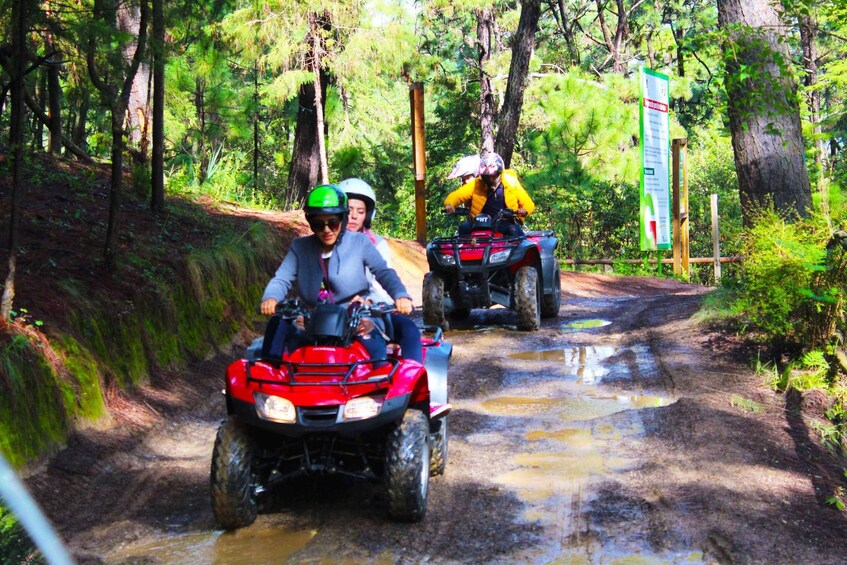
578	433
248	545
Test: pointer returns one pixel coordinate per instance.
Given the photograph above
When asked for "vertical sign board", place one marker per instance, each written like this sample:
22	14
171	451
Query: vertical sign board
655	149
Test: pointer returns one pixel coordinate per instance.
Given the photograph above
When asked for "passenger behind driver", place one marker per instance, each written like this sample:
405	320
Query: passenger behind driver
494	190
362	201
329	266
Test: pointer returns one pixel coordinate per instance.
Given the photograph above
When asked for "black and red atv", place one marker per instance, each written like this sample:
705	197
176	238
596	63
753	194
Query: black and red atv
328	408
485	268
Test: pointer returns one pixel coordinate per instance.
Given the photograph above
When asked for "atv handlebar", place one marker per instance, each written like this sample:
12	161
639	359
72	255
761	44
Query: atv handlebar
292	308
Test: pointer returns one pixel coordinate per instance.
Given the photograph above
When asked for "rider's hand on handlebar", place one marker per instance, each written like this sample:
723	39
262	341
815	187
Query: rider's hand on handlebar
268	306
449	209
403	305
300	323
366	326
521	213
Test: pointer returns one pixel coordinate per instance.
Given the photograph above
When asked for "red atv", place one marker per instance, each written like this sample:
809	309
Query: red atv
328	408
485	268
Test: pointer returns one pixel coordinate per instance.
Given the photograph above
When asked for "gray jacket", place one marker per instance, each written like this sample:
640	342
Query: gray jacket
352	257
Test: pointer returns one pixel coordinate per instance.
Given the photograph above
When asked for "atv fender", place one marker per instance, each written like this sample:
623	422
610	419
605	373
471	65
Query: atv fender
411	379
548	263
525	254
436	362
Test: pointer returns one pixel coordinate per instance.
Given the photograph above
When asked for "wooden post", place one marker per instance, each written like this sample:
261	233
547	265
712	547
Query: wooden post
416	99
680	208
716	245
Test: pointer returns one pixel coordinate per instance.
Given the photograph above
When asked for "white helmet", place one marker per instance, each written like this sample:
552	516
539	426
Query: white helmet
360	190
468	165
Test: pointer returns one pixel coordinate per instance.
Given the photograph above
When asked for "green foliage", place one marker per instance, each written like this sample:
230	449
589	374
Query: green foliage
811	372
15	545
32	418
838	499
781	260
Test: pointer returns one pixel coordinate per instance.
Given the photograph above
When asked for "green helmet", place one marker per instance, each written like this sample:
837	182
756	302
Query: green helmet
326	199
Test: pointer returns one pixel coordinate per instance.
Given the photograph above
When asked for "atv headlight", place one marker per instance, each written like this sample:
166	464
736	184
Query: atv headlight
500	256
447	259
362	408
275	408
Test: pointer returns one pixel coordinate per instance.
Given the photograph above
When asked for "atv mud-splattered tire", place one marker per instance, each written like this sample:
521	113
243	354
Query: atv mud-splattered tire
233	493
433	301
438	462
407	467
527	303
550	303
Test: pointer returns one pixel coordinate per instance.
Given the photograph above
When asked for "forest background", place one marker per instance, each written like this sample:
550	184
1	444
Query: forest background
253	102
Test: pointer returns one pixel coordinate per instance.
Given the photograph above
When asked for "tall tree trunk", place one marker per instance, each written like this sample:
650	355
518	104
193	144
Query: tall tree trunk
764	117
256	127
78	133
487	105
19	31
510	114
808	25
37	125
319	105
157	164
54	90
138	111
199	149
304	171
116	97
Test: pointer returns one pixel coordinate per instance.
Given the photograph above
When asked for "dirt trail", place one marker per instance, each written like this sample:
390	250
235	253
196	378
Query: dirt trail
612	433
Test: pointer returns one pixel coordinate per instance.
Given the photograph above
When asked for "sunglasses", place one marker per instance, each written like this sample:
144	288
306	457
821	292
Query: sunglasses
319	225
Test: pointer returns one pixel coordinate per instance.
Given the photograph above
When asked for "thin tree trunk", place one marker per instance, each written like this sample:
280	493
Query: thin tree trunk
117	99
319	108
764	117
157	164
510	114
487	106
810	79
200	143
37	125
256	127
54	91
19	23
77	136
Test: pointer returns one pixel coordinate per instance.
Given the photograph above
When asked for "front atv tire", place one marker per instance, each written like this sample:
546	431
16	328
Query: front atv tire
232	482
527	303
407	467
438	463
433	301
550	303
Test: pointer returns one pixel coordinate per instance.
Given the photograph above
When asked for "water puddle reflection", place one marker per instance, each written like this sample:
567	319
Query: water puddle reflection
579	325
582	432
583	407
247	545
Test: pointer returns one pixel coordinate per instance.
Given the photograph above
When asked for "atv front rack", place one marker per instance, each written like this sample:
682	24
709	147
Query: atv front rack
336	374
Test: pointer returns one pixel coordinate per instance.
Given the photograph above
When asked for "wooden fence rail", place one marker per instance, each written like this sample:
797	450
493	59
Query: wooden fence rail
667	261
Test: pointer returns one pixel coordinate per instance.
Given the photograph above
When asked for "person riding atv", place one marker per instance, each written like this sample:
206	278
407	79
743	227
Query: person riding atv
492	191
329	266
